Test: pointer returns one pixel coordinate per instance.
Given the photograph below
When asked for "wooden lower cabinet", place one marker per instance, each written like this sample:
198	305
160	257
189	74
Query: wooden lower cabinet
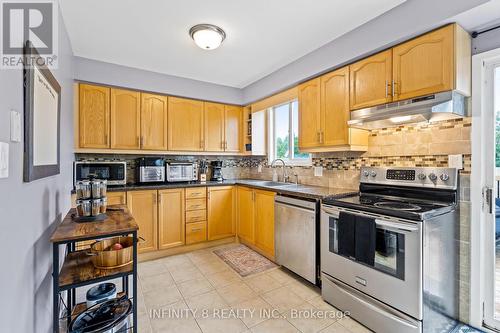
221	212
117	198
256	219
171	222
196	232
264	221
245	208
144	207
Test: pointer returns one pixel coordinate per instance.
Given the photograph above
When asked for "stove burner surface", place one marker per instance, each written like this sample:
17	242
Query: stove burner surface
398	206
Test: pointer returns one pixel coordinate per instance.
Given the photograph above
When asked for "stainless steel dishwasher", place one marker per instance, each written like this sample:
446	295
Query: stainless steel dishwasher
295	237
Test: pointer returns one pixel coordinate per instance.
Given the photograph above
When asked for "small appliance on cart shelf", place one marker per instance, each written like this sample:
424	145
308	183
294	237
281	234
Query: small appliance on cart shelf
91	200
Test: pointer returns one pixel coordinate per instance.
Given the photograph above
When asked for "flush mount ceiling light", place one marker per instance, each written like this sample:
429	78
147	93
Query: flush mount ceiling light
207	36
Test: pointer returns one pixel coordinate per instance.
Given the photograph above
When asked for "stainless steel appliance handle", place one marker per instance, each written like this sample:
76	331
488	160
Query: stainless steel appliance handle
375	307
383	223
394	225
305	210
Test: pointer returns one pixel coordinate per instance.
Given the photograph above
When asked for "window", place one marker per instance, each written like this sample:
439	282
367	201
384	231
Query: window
284	134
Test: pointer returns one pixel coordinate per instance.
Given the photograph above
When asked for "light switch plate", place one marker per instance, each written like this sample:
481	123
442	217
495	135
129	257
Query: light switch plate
15	126
456	161
4	160
318	171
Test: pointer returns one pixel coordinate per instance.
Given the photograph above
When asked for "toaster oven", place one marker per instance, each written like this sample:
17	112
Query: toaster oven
182	172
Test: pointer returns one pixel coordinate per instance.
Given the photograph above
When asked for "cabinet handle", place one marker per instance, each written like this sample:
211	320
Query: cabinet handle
393	90
197	229
106	139
142	141
222	144
386	88
317	136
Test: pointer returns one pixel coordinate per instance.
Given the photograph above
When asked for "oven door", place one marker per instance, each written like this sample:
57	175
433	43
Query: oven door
396	276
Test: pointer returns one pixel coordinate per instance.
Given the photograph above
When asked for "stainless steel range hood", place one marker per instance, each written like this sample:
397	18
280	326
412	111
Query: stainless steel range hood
440	106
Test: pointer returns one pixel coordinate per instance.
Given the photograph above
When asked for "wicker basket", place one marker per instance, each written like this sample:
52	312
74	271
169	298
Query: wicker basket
105	258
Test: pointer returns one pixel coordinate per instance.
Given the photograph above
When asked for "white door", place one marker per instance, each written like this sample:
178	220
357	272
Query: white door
490	118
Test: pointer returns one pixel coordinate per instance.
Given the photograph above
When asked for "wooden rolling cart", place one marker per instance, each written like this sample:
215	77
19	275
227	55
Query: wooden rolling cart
77	269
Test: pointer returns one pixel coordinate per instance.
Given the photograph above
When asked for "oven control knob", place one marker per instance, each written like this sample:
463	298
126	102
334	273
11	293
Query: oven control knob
373	174
366	173
433	177
422	176
444	177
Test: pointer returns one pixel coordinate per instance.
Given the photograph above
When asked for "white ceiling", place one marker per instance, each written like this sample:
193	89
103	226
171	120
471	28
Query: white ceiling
480	16
262	35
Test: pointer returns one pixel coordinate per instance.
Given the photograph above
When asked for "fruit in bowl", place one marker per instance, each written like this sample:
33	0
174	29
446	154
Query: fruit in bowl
116	247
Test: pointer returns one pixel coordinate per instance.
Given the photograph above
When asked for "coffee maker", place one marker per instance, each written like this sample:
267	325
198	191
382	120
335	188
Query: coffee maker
216	171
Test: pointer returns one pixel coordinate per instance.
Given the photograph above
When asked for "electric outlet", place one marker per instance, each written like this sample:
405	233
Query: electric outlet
15	126
456	161
318	171
259	168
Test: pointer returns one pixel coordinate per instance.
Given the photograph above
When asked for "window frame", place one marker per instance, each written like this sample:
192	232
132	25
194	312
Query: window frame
272	136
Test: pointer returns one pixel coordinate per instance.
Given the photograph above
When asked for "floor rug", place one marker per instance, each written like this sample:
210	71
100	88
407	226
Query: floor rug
244	260
465	329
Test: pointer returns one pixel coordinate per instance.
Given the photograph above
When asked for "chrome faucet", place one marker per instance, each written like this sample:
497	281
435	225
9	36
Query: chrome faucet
285	175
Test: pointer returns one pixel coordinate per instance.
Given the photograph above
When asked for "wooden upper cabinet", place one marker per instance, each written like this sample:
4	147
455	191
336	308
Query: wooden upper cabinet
435	62
335	108
185	124
245	218
171	222
93	116
232	128
125	119
214	126
154	121
309	113
221	212
371	81
143	206
264	221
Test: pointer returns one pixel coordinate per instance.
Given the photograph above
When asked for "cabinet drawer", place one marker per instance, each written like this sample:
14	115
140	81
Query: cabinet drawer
196	192
196	216
196	204
196	232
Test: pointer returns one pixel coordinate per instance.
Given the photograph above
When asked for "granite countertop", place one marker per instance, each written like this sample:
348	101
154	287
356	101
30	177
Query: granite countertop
299	190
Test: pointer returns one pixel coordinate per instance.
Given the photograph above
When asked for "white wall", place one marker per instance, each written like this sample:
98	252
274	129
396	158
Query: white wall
30	211
122	76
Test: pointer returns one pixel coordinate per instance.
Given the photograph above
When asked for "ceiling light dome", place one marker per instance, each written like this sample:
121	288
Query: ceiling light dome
207	36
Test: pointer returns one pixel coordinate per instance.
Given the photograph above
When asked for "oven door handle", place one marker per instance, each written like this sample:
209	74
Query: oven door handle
395	225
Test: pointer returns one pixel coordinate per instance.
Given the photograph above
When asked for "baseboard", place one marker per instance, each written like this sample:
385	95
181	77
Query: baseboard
184	249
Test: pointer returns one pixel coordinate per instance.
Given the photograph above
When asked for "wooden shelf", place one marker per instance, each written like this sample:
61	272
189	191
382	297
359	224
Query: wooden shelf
78	269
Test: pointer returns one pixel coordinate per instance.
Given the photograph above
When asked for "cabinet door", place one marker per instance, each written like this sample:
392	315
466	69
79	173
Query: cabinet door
232	126
171	226
94	116
424	65
264	221
309	113
154	121
371	80
117	198
221	212
214	126
185	124
144	209
335	107
245	217
125	119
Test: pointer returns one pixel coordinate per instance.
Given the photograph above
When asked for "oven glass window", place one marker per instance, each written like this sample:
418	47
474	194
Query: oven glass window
389	249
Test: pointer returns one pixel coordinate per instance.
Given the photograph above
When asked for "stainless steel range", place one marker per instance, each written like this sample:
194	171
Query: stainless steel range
389	255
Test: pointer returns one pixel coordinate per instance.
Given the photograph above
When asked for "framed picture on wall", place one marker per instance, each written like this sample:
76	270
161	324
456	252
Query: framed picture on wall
42	114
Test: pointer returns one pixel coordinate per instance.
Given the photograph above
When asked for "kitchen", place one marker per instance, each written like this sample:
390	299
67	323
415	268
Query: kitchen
324	186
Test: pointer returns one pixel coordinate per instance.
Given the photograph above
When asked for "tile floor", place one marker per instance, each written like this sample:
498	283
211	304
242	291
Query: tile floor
198	292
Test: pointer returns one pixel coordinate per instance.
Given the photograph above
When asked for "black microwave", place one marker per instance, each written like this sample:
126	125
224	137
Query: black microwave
114	172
